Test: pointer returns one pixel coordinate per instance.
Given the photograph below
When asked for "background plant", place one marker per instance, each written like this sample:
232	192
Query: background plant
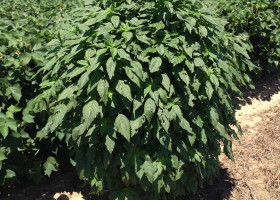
25	28
141	93
260	21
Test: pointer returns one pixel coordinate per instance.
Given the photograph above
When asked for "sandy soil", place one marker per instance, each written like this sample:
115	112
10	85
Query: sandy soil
256	171
255	174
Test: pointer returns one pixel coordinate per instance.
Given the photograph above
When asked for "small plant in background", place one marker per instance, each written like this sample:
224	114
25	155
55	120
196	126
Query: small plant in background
260	21
140	91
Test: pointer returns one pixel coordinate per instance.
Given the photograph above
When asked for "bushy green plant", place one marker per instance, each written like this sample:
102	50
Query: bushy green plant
141	93
260	21
25	28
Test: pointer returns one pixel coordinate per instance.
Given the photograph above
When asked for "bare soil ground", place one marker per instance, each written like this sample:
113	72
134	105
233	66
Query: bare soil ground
256	171
255	174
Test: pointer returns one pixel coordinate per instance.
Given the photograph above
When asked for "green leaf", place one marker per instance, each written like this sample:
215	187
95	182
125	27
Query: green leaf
14	109
50	166
149	109
132	76
38	56
160	49
57	119
209	90
10	174
198	62
6	124
155	64
115	21
122	125
102	89
143	38
203	31
137	69
90	112
127	36
136	124
177	60
83	80
28	118
165	82
4	128
214	80
77	71
110	67
125	92
186	126
25	58
16	92
77	131
241	50
149	170
184	77
109	143
203	137
214	116
2	156
123	54
67	93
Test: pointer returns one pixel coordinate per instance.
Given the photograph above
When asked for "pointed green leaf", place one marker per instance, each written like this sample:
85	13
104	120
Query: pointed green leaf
115	21
123	54
109	143
198	62
50	166
184	77
10	174
122	125
165	82
16	92
125	92
160	49
209	90
57	119
14	109
67	93
90	112
132	76
110	67
203	31
155	64
28	118
6	124
214	117
186	126
127	36
2	156
102	89
149	109
214	80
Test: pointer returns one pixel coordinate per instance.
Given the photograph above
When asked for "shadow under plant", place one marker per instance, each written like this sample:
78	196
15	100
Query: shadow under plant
219	189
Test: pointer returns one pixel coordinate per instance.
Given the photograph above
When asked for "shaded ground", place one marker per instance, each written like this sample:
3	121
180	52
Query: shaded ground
255	175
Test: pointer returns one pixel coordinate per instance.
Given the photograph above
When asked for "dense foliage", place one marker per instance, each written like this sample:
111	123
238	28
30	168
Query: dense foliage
137	94
124	87
261	22
25	28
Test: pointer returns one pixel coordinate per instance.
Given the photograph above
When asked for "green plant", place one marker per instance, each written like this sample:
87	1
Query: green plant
25	28
141	93
260	21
